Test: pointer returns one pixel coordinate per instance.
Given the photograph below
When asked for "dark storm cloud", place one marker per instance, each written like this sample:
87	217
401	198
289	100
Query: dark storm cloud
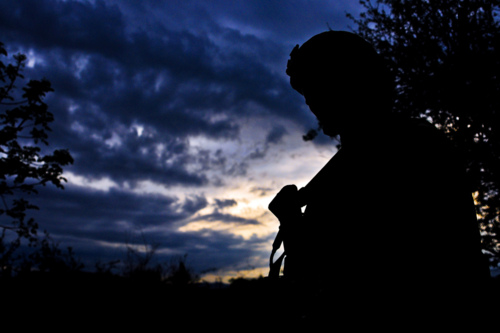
86	219
72	25
213	249
236	62
294	20
226	218
194	204
134	159
276	134
223	203
102	214
262	191
174	82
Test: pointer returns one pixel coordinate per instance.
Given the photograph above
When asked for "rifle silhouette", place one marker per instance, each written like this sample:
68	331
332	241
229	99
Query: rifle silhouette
304	195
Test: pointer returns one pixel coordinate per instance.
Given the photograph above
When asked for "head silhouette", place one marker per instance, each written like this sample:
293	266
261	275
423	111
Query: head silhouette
342	78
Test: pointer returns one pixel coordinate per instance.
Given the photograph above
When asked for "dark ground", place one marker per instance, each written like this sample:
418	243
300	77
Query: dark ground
108	302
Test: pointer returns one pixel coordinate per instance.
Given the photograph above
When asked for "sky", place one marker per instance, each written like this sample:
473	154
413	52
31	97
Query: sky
180	119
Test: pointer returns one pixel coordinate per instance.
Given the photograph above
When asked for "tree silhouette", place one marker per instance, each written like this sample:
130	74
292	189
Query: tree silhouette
445	60
24	166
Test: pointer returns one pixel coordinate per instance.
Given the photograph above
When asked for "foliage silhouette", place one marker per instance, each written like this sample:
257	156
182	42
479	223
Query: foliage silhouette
445	59
139	262
24	127
140	265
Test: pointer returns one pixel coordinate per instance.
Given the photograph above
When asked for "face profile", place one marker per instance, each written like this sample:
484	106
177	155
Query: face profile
342	79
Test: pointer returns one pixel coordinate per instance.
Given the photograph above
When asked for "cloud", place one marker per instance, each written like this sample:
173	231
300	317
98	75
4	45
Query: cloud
225	218
223	203
274	20
276	134
173	83
262	191
69	24
194	204
91	212
100	224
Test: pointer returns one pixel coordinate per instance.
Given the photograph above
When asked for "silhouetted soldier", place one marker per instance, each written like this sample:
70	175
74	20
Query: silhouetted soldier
391	214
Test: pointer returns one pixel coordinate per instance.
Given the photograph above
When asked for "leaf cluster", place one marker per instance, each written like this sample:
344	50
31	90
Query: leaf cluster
24	129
